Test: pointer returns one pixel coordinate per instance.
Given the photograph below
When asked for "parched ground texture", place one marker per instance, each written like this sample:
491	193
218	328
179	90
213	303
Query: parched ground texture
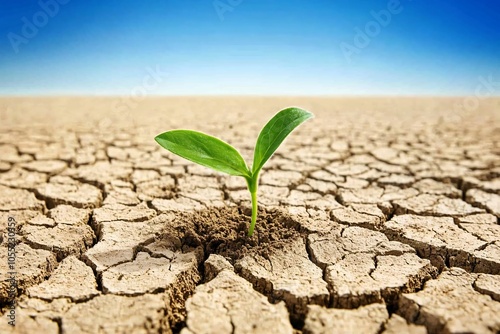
381	215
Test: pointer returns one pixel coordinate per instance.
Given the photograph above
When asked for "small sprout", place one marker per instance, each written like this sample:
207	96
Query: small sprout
214	153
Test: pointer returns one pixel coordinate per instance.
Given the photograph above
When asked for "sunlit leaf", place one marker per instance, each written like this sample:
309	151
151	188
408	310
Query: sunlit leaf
205	150
275	131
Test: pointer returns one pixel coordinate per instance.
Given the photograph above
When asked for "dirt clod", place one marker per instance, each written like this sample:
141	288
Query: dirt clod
228	304
436	305
366	319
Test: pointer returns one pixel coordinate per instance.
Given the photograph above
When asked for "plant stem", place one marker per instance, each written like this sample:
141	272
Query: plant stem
254	213
252	187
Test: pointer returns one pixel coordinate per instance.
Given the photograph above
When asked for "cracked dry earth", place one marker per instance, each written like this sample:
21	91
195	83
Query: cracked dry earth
379	216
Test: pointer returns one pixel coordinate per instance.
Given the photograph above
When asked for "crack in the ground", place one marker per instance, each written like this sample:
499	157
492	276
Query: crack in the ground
477	235
233	327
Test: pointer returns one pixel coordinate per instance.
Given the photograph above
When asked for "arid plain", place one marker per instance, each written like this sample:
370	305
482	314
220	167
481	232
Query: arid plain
381	215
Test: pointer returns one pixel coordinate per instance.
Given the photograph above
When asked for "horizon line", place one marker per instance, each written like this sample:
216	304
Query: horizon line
241	96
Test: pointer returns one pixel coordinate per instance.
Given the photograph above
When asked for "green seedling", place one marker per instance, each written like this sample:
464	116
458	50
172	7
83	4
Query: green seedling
214	153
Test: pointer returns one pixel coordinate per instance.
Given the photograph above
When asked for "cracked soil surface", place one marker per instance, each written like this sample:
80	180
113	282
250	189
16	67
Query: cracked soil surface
381	215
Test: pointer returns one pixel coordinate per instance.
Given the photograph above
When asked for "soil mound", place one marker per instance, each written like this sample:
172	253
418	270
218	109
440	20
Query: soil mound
224	231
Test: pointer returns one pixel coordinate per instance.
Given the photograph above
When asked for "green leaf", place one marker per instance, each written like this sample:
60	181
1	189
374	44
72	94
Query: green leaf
275	131
205	150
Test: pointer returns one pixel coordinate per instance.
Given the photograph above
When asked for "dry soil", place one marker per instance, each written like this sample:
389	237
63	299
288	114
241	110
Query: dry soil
381	215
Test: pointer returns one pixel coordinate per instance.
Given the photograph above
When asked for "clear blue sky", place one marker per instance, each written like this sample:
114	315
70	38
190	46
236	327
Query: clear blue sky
248	47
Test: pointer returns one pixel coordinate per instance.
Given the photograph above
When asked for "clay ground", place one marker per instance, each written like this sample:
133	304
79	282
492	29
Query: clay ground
379	216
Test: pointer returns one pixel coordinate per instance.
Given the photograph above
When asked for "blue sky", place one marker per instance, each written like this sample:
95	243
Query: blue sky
255	47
